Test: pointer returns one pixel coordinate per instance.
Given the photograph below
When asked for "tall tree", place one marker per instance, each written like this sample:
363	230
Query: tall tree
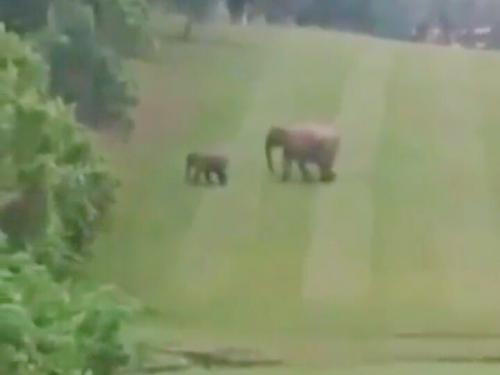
23	16
236	10
195	11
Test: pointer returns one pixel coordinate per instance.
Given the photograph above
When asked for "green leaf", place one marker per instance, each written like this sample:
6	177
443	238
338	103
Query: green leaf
15	324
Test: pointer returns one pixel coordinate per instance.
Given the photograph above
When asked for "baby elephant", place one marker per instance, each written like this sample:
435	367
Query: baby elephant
208	164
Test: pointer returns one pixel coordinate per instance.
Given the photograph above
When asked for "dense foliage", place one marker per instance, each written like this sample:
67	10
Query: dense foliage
88	68
50	155
124	26
94	77
236	9
50	324
84	42
63	191
23	16
52	328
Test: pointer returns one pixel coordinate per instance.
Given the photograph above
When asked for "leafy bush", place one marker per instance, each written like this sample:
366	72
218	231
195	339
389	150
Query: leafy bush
52	328
83	42
22	16
93	76
116	90
124	25
48	323
50	154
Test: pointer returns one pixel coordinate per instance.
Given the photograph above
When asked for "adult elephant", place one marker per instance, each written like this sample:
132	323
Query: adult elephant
303	144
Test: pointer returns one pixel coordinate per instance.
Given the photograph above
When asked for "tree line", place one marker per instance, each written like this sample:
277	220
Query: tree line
396	19
84	42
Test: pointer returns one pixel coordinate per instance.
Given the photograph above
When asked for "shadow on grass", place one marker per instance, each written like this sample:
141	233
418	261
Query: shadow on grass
315	182
194	41
206	185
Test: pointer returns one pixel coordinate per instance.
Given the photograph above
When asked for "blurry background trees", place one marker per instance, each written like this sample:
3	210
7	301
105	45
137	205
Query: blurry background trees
394	19
85	43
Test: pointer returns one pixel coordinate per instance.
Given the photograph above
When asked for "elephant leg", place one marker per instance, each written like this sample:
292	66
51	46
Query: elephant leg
326	168
197	175
208	176
328	176
222	176
287	167
306	175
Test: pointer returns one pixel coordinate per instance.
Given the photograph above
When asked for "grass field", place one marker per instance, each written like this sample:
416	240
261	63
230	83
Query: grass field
406	239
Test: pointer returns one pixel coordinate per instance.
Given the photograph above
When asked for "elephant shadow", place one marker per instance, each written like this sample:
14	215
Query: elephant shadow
313	180
205	184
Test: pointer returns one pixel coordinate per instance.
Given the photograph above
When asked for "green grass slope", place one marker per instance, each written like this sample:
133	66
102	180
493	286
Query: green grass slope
406	239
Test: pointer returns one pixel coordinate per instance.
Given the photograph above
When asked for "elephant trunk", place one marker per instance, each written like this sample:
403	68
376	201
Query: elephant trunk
269	146
189	162
186	173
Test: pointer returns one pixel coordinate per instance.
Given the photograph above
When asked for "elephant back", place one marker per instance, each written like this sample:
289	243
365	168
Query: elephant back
313	135
324	130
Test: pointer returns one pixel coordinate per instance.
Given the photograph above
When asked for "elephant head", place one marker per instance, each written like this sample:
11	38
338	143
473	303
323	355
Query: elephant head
275	137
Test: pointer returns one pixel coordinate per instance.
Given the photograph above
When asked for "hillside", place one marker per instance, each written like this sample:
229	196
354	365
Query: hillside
406	239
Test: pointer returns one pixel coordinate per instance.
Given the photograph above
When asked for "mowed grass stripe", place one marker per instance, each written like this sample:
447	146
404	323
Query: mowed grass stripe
337	268
274	262
469	241
487	91
226	221
193	101
404	195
